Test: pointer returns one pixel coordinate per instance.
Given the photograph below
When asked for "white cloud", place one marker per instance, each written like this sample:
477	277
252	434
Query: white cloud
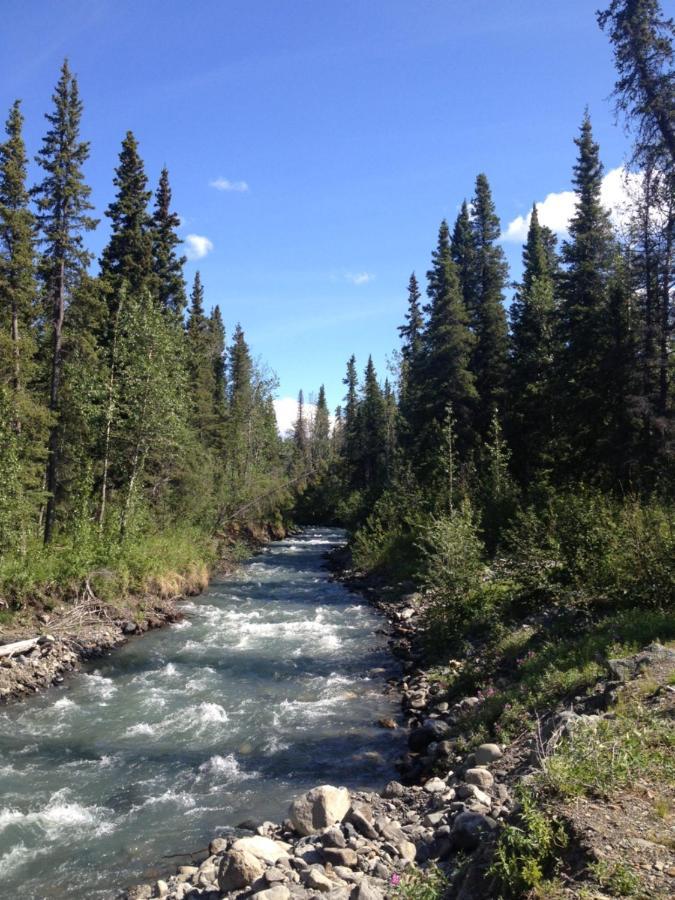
197	246
359	278
224	184
558	208
286	409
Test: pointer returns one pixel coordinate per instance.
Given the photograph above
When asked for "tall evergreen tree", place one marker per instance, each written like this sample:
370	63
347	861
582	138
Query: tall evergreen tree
412	333
63	215
372	430
301	436
490	356
167	266
583	321
200	363
17	264
463	251
448	342
217	330
532	352
350	418
128	254
321	446
645	89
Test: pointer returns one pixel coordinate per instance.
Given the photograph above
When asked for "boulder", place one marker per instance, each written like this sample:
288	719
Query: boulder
319	808
469	828
361	817
317	880
431	730
482	778
487	753
341	856
366	890
393	789
238	870
277	892
262	847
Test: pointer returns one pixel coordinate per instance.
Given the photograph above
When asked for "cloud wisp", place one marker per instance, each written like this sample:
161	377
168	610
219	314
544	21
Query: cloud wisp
224	184
286	410
197	246
556	210
359	278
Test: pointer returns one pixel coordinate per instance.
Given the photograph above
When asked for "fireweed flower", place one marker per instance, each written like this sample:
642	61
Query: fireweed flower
395	879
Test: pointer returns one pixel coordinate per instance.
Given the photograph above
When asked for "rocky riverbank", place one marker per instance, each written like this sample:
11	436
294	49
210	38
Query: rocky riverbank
434	832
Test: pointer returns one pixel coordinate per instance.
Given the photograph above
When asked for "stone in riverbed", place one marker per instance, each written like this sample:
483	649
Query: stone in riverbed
468	829
317	880
319	808
337	856
435	786
366	890
278	892
238	870
487	753
393	789
482	778
263	847
361	817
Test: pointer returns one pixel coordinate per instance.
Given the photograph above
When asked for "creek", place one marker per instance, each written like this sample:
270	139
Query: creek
272	683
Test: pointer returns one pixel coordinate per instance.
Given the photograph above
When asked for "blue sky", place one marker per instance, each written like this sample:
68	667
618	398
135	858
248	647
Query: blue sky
340	133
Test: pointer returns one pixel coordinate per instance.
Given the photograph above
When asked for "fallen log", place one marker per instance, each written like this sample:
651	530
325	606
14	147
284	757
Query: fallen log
18	647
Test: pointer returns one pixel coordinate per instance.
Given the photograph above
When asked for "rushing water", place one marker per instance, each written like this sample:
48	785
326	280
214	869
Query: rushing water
270	685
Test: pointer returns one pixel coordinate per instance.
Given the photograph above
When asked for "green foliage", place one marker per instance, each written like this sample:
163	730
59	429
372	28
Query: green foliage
601	758
616	877
422	884
527	852
387	539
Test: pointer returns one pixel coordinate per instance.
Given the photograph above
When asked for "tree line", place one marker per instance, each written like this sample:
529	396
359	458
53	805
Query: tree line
122	405
574	384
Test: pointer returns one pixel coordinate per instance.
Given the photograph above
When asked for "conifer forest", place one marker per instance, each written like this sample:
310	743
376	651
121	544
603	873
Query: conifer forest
513	470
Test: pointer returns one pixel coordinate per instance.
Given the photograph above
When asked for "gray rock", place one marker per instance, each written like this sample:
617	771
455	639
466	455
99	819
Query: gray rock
393	789
317	880
487	753
319	808
361	817
277	892
471	792
435	786
482	778
217	845
274	875
333	837
407	850
262	847
238	870
469	828
367	890
341	856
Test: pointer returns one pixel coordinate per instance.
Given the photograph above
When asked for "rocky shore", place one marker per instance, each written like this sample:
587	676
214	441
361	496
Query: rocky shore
443	817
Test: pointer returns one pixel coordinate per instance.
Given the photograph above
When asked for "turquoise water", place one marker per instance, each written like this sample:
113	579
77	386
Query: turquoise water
271	684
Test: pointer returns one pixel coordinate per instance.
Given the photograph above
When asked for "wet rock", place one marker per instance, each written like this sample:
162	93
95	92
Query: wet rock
487	753
319	808
432	730
387	723
217	845
238	870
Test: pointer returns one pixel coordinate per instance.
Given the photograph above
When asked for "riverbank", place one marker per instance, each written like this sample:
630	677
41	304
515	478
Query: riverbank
76	621
578	805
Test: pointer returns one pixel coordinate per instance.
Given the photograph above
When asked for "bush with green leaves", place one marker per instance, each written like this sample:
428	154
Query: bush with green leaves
420	884
529	851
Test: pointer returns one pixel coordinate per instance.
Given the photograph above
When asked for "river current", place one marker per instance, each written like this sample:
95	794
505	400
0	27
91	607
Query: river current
271	684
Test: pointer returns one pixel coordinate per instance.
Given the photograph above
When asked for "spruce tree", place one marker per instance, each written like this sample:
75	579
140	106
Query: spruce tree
583	320
411	352
445	374
642	38
463	251
530	424
321	431
301	436
128	255
490	355
217	331
201	369
167	266
372	431
63	215
350	419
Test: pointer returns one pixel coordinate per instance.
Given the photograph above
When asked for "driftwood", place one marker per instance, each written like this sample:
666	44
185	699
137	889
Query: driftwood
18	647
